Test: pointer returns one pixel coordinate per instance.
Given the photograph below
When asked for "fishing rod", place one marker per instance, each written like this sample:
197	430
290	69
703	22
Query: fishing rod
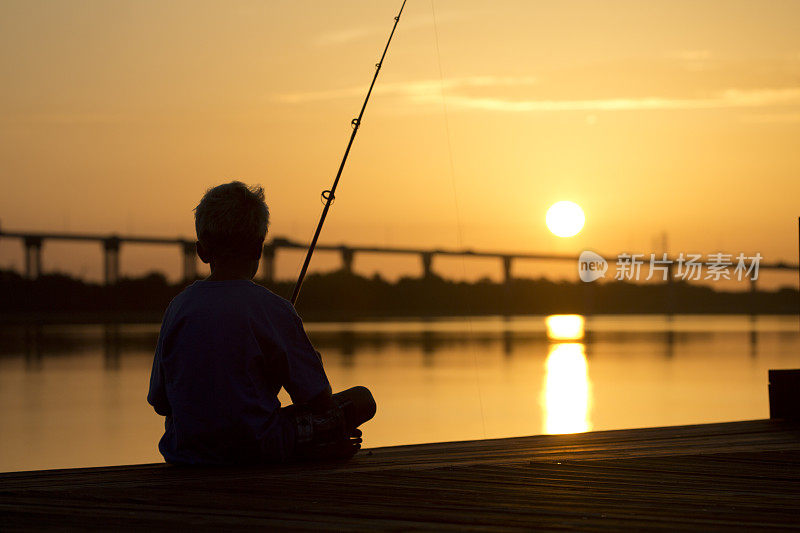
329	194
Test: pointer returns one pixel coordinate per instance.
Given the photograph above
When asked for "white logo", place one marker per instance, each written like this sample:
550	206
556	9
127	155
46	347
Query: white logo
591	266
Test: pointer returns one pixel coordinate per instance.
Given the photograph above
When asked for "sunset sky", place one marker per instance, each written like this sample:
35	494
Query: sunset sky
676	117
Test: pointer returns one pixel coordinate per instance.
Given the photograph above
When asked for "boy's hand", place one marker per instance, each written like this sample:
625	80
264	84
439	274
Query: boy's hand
329	436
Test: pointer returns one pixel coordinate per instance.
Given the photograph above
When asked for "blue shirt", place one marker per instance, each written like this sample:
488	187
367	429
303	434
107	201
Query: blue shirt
224	351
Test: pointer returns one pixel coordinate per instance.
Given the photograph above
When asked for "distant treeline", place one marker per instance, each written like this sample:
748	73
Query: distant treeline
342	296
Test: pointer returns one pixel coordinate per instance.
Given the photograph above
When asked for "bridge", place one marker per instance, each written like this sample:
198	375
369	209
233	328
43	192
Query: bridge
111	244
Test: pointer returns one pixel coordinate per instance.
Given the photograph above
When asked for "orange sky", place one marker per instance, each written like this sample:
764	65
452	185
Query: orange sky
677	116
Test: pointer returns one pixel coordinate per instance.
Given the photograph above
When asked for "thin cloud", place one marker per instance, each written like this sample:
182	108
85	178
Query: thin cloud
731	98
690	55
771	118
417	91
429	92
692	60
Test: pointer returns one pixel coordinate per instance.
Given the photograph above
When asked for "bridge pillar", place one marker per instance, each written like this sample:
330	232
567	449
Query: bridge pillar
427	264
189	261
507	260
347	259
111	260
268	263
33	257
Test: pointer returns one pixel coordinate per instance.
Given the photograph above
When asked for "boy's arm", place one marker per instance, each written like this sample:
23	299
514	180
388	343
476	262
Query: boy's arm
306	380
157	396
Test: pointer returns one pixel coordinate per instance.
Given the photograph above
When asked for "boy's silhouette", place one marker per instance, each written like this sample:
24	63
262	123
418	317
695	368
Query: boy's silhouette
226	348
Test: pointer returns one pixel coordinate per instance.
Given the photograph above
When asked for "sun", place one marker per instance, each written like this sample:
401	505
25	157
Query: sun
565	219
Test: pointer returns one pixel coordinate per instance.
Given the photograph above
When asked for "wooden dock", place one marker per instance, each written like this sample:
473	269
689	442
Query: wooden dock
738	475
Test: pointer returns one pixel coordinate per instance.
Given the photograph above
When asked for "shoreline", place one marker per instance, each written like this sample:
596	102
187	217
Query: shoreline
133	317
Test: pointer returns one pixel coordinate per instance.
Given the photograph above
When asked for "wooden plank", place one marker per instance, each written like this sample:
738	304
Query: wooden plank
681	478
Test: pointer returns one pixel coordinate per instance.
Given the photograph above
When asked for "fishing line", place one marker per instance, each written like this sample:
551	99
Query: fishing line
459	232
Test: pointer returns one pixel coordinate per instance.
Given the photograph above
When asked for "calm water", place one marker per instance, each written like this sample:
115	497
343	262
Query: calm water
75	395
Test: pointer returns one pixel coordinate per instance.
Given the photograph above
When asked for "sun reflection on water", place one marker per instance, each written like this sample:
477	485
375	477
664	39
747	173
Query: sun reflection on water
567	393
564	327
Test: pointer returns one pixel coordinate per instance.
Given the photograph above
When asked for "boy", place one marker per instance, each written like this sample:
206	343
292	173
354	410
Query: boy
226	348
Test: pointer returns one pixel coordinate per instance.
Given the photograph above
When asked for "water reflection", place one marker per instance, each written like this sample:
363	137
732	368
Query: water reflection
74	395
567	395
564	327
33	347
111	345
